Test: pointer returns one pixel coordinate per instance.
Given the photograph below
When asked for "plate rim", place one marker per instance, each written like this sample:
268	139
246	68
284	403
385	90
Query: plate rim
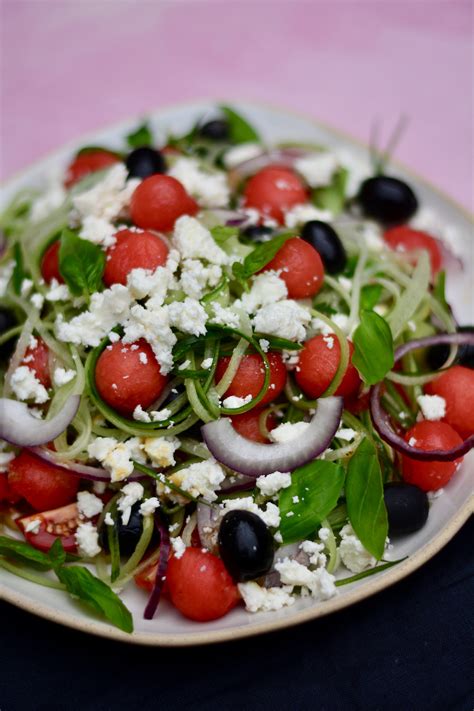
375	585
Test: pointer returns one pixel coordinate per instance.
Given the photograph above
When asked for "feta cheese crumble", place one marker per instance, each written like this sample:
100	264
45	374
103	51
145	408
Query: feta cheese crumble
210	188
200	479
286	319
317	168
26	386
178	546
270	516
194	241
267	288
61	376
259	599
87	539
353	554
271	484
233	402
433	407
131	493
299	214
288	431
88	504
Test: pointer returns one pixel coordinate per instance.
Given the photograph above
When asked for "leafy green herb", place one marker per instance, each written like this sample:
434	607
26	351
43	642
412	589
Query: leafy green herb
142	136
314	491
259	257
239	129
373	347
332	197
82	584
364	497
369	296
57	554
81	264
24	553
18	271
221	234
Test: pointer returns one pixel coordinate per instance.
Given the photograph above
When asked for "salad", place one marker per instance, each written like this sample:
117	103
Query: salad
230	373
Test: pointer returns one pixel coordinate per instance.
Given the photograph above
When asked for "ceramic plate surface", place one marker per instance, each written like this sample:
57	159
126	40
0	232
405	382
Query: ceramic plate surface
448	511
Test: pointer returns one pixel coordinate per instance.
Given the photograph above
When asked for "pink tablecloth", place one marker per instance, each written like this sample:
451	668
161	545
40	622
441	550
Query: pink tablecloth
70	66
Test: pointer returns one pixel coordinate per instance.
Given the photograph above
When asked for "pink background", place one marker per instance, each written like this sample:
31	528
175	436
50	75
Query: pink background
70	66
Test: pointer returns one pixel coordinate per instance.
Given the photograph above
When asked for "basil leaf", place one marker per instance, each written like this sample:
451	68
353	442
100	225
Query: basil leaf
312	495
18	273
23	552
332	197
82	584
81	264
141	137
239	129
369	296
373	347
364	498
260	256
57	554
221	234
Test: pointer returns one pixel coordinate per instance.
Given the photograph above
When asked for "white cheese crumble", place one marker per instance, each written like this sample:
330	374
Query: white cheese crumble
37	300
149	506
33	526
317	168
87	539
210	189
346	433
232	402
88	504
259	599
108	520
26	287
107	309
188	316
26	386
288	431
267	288
179	547
271	484
241	153
116	456
108	197
153	324
57	291
200	479
299	214
194	241
160	450
433	407
196	278
353	554
61	376
329	341
225	316
319	582
270	516
206	363
286	319
131	493
264	344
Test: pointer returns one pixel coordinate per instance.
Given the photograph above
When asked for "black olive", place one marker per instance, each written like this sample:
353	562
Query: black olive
437	355
325	240
215	130
407	507
128	534
388	200
145	161
245	545
7	321
256	232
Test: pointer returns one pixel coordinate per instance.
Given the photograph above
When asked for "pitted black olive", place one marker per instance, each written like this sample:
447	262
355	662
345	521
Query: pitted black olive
215	130
245	545
437	355
326	242
145	161
407	507
387	200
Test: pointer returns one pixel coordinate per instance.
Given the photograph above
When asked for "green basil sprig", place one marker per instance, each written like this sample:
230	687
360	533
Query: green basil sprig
78	581
260	257
142	136
240	130
312	495
373	347
221	233
365	500
81	264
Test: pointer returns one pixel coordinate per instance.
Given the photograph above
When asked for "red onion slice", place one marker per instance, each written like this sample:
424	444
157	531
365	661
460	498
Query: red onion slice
254	459
18	426
84	471
155	596
381	419
208	525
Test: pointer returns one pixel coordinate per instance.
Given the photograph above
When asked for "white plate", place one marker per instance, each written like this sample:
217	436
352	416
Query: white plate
448	512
